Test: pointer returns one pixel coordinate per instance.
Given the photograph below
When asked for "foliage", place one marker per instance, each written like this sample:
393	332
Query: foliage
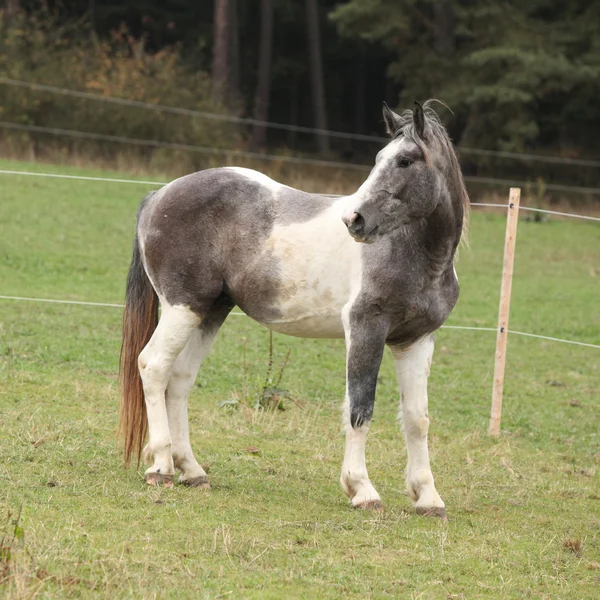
516	73
38	49
519	76
12	536
271	396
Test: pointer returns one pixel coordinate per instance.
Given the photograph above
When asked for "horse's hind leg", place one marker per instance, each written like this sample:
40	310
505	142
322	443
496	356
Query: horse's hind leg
175	327
412	369
182	380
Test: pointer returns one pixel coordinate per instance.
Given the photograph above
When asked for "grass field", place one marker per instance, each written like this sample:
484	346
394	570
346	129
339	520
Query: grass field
524	510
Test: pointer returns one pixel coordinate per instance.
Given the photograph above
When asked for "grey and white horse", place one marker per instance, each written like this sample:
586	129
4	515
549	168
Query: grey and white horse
375	268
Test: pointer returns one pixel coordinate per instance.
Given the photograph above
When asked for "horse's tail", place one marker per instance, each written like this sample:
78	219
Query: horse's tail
139	322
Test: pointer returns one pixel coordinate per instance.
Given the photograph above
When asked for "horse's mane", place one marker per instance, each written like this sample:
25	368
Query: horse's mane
436	129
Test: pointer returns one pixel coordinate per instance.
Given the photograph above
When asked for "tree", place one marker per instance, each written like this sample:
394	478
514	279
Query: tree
234	59
221	50
11	10
444	22
507	69
316	73
263	87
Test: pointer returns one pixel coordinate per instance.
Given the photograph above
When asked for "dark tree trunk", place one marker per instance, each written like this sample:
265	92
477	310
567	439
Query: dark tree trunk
263	87
316	73
359	106
221	47
234	61
92	14
293	110
445	22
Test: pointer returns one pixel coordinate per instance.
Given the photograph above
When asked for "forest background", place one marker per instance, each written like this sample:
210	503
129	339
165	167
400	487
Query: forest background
521	79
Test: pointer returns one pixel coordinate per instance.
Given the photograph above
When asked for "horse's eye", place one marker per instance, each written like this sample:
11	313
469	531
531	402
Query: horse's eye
404	162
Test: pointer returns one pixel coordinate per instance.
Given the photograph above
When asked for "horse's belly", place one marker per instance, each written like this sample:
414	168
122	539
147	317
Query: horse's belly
328	327
311	307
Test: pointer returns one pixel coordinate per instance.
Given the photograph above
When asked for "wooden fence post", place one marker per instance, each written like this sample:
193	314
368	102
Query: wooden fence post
514	199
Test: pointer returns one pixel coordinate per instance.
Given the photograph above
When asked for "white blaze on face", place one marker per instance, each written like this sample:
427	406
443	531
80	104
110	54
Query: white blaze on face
386	156
320	269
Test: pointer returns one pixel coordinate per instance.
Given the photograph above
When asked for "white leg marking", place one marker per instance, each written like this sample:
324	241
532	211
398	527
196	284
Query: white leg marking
354	478
412	370
183	376
155	362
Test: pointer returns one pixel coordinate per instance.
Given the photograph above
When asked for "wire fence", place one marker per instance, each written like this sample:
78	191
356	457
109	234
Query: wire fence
80	177
134	181
241	314
209	150
282	126
187	147
145	182
559	214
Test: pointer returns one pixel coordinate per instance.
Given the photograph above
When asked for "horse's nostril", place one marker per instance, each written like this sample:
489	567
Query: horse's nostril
354	222
358	222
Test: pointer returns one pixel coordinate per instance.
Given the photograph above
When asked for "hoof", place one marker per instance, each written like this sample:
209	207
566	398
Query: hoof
432	511
370	505
198	482
157	479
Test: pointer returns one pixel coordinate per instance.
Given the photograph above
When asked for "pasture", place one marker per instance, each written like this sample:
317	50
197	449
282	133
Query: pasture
524	509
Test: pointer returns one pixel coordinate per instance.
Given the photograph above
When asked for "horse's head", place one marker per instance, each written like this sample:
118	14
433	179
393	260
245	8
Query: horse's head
413	174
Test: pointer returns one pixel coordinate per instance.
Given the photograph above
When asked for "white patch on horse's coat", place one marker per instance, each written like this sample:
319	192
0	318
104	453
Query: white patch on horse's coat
182	379
354	478
320	271
412	369
264	180
455	275
175	327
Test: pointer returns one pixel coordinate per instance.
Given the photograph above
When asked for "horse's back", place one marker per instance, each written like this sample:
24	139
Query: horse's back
232	194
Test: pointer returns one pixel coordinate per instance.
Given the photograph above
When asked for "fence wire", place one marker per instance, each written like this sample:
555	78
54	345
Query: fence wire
189	112
556	187
102	137
80	177
144	182
538	210
208	150
283	126
240	314
560	214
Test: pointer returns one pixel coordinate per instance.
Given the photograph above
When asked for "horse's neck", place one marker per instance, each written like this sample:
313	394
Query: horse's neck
438	237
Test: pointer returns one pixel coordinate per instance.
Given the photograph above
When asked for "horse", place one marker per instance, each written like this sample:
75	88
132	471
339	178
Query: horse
375	268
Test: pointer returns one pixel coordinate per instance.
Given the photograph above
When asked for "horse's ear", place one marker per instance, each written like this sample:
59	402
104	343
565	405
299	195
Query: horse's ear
419	120
392	120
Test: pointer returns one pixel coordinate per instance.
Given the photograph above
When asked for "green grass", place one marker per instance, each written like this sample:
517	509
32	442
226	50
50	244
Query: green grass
524	509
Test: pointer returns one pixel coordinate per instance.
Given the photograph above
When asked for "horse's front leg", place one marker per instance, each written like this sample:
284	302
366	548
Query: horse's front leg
365	342
412	369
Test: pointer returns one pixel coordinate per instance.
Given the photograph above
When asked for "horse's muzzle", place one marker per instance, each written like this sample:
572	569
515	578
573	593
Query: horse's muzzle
356	224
